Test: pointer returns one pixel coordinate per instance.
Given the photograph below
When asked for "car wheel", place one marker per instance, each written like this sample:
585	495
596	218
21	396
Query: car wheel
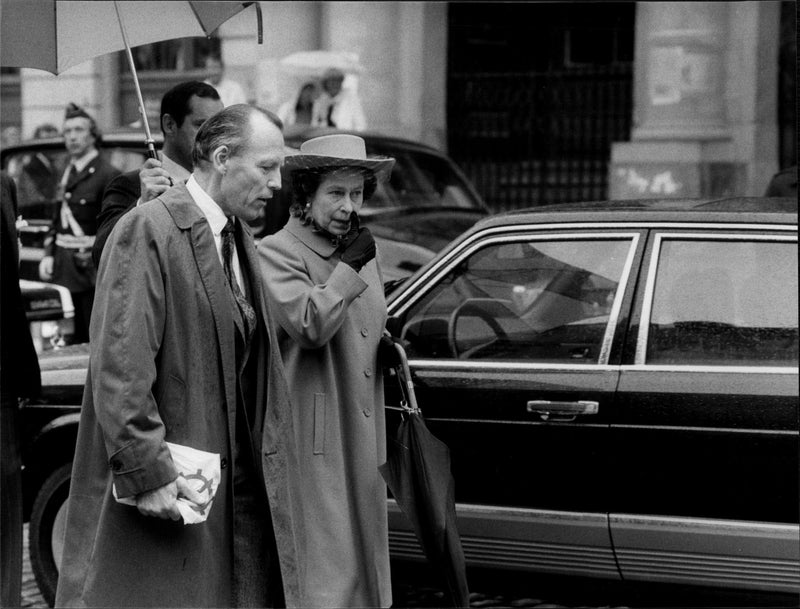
47	526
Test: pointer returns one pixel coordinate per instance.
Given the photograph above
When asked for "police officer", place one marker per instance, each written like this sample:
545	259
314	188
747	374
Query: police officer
68	246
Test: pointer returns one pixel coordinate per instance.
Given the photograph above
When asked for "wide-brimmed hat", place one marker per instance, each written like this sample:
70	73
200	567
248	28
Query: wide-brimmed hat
338	150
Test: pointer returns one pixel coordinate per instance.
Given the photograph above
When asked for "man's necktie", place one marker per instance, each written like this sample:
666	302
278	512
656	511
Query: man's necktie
248	314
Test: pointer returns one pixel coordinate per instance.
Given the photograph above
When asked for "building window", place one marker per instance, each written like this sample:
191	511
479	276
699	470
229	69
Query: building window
181	55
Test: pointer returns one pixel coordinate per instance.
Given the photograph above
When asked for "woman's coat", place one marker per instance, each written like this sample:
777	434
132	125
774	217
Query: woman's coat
330	320
163	368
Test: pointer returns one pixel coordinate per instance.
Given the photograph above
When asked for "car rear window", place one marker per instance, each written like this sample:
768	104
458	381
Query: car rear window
725	302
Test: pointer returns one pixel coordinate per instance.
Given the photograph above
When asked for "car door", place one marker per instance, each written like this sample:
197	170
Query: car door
510	340
705	446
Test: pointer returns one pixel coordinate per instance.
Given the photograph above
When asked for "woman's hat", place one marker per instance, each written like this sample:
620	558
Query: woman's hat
338	150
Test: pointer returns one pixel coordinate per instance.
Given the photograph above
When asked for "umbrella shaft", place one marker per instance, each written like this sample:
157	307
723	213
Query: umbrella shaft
149	140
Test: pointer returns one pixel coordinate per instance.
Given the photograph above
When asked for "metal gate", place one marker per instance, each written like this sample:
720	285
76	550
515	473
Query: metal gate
534	138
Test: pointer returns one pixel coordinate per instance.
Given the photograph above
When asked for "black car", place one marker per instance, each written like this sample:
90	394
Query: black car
50	312
618	386
617	383
426	204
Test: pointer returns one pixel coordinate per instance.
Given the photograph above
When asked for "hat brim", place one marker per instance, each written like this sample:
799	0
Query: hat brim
381	167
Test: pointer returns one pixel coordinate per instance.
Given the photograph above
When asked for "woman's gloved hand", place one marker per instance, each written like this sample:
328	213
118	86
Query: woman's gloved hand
358	246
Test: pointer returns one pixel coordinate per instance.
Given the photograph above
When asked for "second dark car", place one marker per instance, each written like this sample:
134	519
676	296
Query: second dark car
426	204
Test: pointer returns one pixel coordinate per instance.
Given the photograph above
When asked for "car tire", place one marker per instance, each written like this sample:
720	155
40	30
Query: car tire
47	525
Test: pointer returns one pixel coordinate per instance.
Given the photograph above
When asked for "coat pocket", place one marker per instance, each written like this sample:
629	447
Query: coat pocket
319	423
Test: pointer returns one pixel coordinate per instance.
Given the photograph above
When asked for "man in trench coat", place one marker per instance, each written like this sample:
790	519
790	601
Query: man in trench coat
171	362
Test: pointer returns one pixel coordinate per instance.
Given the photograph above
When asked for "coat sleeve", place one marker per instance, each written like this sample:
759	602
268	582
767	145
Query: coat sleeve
310	313
119	197
126	333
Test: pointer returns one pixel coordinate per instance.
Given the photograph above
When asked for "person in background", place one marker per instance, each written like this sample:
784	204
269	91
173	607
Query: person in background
38	179
338	106
325	291
230	91
182	352
184	108
10	136
19	378
300	109
68	246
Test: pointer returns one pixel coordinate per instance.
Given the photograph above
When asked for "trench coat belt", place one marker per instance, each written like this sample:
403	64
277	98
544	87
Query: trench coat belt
72	242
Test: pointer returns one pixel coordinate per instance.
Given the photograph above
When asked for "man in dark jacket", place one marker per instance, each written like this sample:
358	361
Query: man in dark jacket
183	109
19	377
67	260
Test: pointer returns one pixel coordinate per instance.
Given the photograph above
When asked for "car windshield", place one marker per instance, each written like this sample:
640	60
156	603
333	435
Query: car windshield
38	175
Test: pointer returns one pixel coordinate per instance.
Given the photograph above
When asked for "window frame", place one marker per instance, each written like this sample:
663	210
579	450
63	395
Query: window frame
518	234
658	238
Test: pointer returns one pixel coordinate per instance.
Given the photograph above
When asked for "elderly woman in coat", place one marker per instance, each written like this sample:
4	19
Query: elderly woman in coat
324	288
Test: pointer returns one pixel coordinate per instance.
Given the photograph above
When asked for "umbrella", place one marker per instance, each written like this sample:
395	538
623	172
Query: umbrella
313	64
417	472
55	35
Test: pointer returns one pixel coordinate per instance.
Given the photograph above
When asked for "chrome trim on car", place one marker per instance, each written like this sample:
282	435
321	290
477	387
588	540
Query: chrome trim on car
613	316
454	364
707	430
733	226
521	539
720	553
649	290
64	378
710	369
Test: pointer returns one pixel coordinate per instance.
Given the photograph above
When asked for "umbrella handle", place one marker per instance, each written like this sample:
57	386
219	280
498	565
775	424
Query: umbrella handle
404	376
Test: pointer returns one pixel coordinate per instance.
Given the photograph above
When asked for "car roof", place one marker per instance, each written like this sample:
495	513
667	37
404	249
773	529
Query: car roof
134	138
738	210
295	136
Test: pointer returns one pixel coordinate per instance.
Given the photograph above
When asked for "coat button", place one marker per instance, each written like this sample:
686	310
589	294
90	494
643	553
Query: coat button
367	372
82	201
364	331
223	463
67	195
367	412
116	465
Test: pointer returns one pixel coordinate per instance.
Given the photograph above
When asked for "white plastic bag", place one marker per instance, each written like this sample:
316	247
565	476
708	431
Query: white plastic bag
202	470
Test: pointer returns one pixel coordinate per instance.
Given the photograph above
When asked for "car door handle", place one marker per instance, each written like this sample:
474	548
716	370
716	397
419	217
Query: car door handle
562	411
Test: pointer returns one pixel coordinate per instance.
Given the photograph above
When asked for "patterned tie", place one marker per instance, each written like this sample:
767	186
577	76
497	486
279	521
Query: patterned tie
248	314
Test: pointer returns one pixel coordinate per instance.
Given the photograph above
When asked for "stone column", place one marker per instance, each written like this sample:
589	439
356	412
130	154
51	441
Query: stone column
705	90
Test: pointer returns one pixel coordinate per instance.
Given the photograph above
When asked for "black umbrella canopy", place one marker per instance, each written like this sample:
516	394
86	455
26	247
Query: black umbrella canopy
417	472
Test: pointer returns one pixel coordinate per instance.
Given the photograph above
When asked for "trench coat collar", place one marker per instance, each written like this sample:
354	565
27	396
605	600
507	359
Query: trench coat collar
188	216
314	240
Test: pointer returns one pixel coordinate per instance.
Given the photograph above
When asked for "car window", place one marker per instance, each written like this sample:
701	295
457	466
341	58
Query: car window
544	301
421	180
724	302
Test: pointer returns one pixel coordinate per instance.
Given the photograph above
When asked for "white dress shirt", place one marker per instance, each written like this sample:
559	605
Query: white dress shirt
217	220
